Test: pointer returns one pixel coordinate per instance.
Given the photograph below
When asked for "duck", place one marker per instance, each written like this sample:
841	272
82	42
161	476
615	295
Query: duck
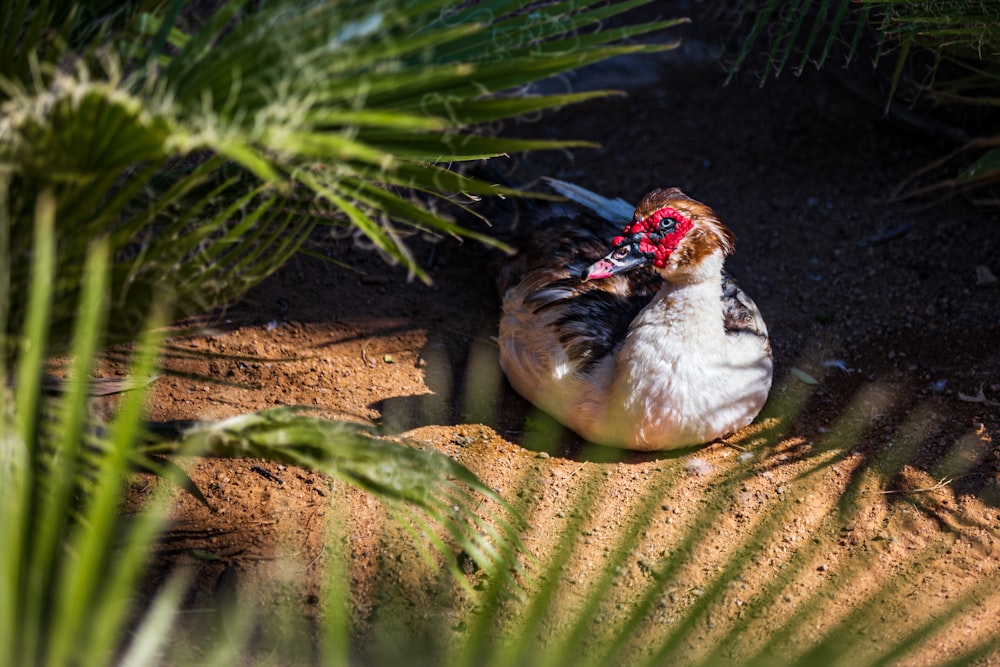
622	323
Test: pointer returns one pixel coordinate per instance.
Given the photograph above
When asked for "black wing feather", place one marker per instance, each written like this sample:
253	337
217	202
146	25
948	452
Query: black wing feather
739	312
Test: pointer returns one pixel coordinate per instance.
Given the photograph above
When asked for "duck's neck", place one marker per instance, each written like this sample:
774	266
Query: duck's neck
686	310
673	345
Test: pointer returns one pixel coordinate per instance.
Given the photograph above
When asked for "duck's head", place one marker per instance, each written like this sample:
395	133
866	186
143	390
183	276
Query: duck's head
669	232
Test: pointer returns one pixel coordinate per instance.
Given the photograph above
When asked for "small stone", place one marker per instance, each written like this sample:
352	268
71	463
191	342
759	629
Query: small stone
985	277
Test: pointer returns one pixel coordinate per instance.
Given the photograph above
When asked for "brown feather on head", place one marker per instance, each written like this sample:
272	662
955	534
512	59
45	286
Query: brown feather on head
708	233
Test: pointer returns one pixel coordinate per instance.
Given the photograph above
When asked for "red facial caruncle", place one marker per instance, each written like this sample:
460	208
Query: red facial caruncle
658	234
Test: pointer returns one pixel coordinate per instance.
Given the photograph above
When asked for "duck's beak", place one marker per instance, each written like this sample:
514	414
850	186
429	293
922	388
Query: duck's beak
620	260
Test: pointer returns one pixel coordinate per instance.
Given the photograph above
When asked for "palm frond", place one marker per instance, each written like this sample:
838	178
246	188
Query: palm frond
65	586
211	149
71	562
961	37
958	31
404	476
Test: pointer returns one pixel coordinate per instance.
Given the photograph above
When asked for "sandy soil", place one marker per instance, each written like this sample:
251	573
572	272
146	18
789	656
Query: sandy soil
875	463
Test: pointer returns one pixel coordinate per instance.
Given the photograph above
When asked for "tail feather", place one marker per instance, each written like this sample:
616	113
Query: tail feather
613	210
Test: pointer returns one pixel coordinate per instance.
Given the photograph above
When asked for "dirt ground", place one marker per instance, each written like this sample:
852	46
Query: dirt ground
876	460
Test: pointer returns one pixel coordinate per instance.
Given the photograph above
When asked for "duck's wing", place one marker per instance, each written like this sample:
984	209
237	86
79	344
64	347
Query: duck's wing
563	245
591	319
587	319
739	312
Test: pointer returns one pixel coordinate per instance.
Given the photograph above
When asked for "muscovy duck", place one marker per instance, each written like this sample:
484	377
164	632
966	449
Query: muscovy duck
650	346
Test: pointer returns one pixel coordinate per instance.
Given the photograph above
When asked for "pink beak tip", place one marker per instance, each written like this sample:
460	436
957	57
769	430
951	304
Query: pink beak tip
600	269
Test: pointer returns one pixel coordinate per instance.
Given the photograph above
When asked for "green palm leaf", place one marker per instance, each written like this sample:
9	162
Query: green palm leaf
404	476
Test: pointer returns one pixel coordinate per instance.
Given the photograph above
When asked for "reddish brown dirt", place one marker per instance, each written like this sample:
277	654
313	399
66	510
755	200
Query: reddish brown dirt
879	482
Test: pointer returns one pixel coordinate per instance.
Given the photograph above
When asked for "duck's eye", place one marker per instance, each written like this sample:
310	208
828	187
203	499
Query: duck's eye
621	253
